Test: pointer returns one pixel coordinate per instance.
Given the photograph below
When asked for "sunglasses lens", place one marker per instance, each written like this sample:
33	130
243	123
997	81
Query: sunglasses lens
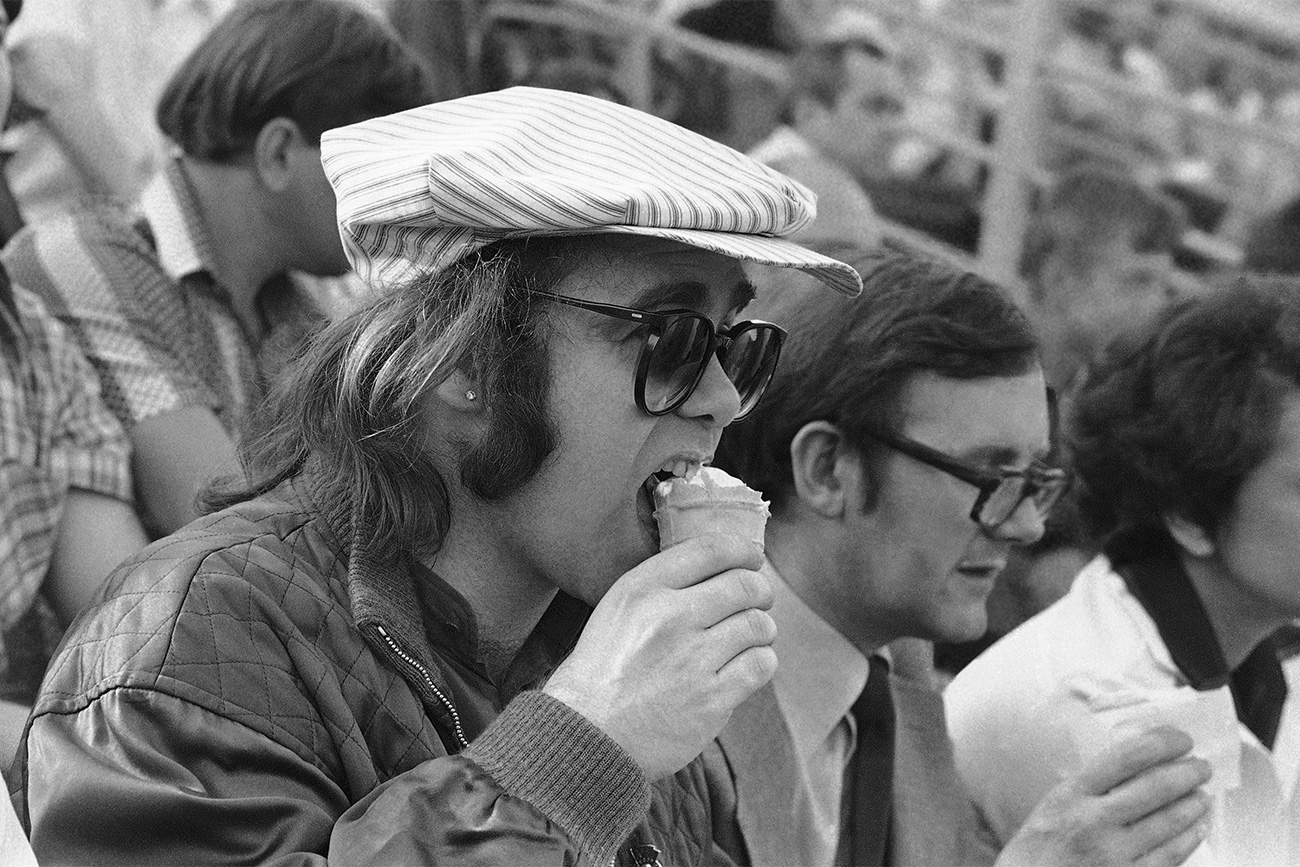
750	362
675	363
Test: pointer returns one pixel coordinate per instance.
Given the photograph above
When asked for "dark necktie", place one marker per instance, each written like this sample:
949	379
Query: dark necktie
872	770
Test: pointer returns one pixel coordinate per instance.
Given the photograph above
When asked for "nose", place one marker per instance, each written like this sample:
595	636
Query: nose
715	397
1025	526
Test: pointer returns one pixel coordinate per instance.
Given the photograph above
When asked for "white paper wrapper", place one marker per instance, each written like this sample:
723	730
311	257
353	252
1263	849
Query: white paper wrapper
1209	719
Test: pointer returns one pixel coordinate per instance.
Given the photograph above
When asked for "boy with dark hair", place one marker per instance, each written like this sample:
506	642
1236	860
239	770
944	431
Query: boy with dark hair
186	305
1186	439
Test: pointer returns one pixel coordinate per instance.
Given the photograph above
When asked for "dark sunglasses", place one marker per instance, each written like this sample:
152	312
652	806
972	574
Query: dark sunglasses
677	349
1001	491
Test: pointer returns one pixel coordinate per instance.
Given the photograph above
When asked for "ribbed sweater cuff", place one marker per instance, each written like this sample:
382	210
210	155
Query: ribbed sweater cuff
541	750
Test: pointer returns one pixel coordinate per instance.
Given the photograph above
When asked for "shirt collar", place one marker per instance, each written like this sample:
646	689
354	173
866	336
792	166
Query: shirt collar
1148	562
172	212
821	673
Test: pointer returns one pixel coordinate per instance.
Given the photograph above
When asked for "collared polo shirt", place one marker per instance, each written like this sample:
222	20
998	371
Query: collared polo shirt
820	677
137	289
55	434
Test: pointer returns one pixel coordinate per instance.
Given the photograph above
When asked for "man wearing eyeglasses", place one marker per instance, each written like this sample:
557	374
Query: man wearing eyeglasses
436	627
905	447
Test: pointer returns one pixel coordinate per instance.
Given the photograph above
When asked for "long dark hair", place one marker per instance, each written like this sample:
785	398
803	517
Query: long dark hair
348	412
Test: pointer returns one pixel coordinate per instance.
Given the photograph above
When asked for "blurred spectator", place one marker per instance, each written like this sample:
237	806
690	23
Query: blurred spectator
1098	251
185	305
1185	437
66	517
87	76
65	489
843	121
724	102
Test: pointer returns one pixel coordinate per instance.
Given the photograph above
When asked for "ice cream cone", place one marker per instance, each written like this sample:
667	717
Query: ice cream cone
711	501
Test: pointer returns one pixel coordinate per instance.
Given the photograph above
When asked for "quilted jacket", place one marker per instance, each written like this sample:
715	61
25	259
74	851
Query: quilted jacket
258	688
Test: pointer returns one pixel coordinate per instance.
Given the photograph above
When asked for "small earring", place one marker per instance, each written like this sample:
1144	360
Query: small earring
470	394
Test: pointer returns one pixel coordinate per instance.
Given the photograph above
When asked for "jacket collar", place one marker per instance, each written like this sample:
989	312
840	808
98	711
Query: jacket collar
1147	560
384	594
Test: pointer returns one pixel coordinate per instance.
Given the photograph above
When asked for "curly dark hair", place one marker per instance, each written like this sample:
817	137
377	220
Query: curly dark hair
1177	412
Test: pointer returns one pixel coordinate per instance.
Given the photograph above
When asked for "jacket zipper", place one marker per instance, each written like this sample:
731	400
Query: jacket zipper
428	681
644	855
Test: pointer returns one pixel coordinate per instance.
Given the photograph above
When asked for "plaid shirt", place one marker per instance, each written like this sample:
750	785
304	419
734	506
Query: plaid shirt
55	434
139	293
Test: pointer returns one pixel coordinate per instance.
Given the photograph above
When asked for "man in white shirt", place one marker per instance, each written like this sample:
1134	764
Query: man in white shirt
904	445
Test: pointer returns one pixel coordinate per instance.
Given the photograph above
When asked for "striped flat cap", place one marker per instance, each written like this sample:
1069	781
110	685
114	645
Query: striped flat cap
419	189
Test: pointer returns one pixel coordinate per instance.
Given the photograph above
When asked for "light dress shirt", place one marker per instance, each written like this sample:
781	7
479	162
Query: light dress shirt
819	677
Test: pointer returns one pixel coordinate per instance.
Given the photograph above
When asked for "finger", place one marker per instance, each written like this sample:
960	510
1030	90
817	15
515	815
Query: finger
1169	823
1176	850
1155	789
745	673
715	599
1133	755
694	560
733	636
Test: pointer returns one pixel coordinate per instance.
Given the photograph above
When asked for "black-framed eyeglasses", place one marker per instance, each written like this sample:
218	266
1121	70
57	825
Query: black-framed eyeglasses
1001	491
677	349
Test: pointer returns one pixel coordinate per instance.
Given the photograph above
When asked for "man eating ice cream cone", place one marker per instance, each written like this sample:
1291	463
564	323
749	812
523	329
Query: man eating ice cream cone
436	626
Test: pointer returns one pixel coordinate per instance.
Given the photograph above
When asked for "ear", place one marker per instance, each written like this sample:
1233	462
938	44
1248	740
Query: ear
274	151
825	469
1191	537
460	393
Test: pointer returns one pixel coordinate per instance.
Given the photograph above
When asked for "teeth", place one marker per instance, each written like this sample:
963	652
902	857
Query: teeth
683	469
680	468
